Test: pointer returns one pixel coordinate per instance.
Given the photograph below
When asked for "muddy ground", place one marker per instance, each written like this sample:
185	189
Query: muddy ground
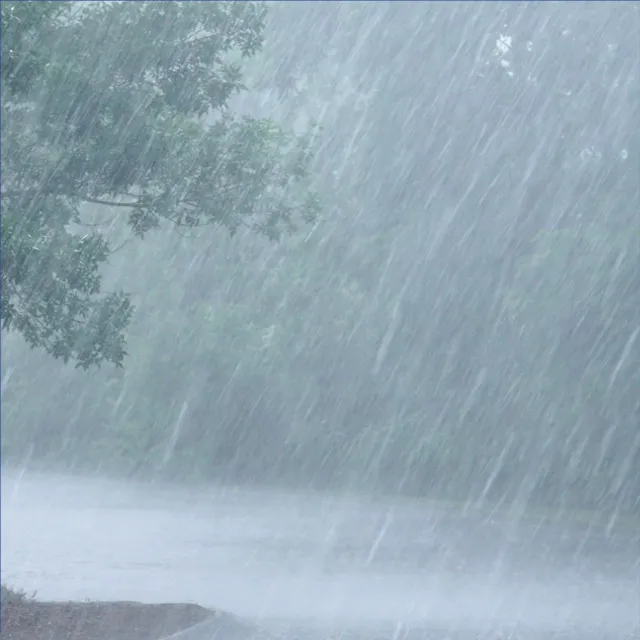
27	619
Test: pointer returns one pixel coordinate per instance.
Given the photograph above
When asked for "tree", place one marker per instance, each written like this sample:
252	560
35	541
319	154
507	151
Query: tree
126	105
573	310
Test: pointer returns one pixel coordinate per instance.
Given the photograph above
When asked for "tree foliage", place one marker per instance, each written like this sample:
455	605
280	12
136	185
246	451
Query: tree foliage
126	105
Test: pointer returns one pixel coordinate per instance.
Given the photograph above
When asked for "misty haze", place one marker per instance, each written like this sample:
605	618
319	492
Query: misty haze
320	320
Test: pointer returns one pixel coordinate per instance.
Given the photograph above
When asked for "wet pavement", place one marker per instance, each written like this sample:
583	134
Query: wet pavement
307	565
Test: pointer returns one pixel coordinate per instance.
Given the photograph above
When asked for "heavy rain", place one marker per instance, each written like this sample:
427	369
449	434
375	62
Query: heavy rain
320	320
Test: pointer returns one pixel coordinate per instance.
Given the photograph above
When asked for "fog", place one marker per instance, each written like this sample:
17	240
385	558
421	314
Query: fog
303	564
415	414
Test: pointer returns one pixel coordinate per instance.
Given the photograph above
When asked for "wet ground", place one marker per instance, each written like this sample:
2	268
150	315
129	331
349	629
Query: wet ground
305	565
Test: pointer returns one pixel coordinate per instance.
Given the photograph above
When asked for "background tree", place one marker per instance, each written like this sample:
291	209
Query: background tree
126	106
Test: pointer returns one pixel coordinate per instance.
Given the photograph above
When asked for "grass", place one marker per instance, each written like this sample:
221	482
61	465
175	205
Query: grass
11	596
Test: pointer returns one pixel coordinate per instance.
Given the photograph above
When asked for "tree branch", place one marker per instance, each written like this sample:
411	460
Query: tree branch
110	203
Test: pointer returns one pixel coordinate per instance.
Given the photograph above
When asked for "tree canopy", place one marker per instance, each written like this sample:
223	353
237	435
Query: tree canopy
127	105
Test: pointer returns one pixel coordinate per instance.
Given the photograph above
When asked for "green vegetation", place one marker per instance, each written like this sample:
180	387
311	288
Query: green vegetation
126	106
12	595
461	322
